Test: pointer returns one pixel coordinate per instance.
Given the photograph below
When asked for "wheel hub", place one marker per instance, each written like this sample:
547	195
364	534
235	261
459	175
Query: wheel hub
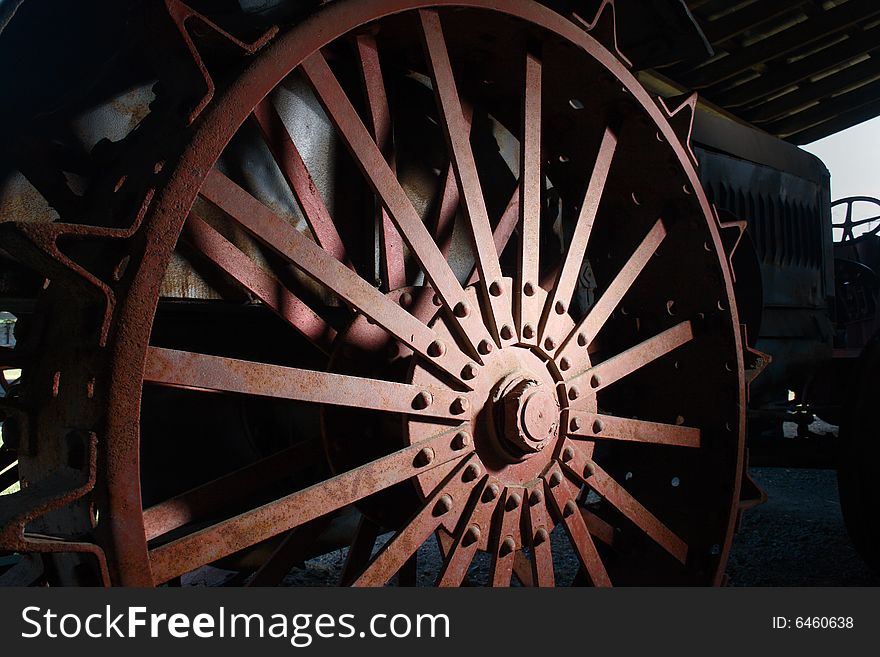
529	417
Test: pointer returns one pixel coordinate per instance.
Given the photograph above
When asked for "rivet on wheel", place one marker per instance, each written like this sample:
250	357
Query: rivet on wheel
550	343
472	535
462	439
506	332
541	536
495	289
444	504
574	392
560	308
436	301
569	508
406	300
422	400
536	497
469	371
598	426
595	381
460	405
513	501
485	347
529	289
582	339
492	491
528	331
575	423
461	309
436	349
565	364
589	471
424	457
555	479
507	546
472	472
567	454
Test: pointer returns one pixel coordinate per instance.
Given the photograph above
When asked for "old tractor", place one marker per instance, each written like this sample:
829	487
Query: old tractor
449	285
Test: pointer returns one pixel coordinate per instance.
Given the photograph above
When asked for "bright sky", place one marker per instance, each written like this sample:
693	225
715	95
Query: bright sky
853	157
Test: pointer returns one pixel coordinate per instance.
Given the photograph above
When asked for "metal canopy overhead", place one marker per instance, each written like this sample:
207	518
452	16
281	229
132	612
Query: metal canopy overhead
798	69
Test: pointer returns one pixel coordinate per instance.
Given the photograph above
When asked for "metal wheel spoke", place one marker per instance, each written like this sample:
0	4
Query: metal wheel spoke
503	231
443	507
563	496
185	369
474	525
386	186
294	170
379	114
213	497
314	261
226	537
587	471
609	427
539	526
559	299
528	308
634	358
292	550
503	545
465	167
266	287
360	550
585	332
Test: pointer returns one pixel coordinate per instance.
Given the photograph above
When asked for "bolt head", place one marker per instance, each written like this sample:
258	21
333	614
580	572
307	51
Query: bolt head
536	497
492	491
436	349
595	381
422	400
508	545
462	439
560	308
565	364
460	405
495	289
598	426
567	454
529	289
589	470
555	479
436	301
472	472
574	392
528	331
469	371
406	300
569	508
472	535
506	332
541	536
444	504
550	343
582	339
513	501
485	347
461	309
575	423
424	457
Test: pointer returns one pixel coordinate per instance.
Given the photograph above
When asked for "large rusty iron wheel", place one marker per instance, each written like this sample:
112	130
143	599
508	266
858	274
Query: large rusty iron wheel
563	362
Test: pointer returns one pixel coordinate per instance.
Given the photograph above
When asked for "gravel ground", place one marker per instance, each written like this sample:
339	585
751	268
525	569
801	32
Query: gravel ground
796	539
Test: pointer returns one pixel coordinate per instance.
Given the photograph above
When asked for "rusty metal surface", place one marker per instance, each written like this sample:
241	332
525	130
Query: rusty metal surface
469	404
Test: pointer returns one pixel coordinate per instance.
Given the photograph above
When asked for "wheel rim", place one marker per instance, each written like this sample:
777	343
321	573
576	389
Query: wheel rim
493	473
